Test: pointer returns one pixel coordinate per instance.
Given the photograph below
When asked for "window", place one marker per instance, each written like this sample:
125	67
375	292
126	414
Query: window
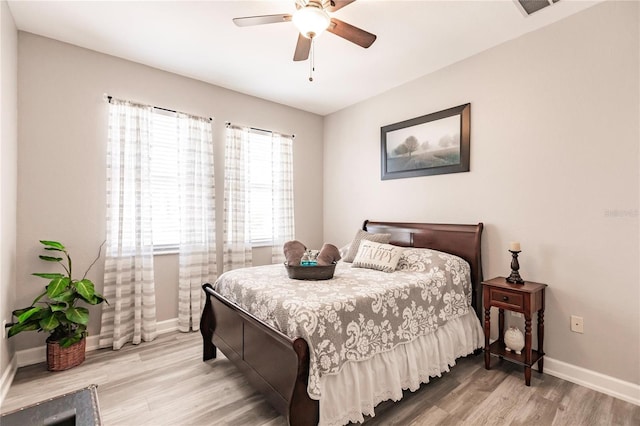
258	179
165	203
260	188
160	181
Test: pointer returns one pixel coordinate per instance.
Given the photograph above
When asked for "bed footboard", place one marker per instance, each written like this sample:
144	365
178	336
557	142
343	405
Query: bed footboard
273	363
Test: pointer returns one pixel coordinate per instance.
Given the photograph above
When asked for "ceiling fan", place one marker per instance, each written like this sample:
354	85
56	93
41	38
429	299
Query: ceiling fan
312	18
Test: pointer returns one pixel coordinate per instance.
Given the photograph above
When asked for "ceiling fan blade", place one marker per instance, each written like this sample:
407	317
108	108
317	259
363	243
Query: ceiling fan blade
337	5
303	47
262	19
351	33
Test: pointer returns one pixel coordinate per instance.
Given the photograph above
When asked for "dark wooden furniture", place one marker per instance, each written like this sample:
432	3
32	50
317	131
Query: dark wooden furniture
527	298
278	365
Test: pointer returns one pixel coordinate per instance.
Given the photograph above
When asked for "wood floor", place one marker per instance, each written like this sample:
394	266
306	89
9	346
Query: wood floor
164	382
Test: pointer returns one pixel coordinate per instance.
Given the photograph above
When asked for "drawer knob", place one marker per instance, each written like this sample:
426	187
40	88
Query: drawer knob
505	298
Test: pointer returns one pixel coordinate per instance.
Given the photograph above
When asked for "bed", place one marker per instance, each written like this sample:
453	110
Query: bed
285	370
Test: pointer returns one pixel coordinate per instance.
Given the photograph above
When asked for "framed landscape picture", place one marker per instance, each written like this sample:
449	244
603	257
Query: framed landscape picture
432	144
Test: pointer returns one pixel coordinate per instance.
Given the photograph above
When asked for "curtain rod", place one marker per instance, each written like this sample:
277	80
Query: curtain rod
109	97
228	124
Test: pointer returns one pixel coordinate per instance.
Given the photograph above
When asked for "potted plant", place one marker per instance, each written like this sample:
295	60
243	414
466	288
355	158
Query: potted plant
55	311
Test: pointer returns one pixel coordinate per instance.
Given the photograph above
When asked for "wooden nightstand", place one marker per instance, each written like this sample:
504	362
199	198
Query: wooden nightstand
527	299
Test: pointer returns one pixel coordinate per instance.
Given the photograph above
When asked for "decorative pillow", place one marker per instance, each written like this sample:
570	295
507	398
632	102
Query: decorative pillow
360	236
381	257
415	259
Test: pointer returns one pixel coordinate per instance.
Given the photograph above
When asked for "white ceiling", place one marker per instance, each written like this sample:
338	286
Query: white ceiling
198	39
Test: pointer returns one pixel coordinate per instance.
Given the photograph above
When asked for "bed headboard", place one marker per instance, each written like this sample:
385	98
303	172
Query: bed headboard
460	240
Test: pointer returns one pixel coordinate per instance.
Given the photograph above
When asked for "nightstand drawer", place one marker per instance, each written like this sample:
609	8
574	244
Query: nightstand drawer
508	299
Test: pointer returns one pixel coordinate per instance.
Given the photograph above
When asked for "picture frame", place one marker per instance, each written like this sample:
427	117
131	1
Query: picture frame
433	144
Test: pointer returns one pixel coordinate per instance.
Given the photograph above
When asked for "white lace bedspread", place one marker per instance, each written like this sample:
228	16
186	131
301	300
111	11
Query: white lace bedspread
356	315
354	392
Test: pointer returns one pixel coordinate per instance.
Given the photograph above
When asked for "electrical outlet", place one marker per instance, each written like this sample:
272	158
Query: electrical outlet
516	314
577	324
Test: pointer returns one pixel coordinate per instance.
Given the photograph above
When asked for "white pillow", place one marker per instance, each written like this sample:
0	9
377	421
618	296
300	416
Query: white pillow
361	236
381	257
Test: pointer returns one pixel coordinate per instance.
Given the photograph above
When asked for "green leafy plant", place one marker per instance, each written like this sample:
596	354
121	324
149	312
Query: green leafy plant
55	311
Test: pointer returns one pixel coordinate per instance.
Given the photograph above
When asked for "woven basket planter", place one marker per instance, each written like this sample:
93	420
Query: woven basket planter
60	359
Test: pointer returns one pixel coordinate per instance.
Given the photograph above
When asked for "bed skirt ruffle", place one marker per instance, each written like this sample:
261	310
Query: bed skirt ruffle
360	386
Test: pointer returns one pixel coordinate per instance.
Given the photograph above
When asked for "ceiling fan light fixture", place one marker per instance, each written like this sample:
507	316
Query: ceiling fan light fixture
311	20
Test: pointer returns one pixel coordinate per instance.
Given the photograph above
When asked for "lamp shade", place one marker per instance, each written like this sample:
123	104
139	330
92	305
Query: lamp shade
311	21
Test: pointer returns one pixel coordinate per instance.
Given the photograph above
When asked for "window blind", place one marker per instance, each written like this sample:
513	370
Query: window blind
260	193
164	181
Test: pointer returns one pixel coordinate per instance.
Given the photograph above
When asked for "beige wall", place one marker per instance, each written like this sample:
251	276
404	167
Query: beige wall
554	165
8	177
61	167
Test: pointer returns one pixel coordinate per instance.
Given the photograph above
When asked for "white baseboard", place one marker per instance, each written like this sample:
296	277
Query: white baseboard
617	388
7	378
36	355
167	326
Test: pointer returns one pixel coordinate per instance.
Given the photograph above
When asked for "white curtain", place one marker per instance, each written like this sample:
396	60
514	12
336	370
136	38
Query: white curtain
130	315
237	229
197	250
282	192
238	208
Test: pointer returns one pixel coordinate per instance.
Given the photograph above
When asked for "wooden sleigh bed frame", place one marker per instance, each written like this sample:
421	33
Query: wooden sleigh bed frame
277	365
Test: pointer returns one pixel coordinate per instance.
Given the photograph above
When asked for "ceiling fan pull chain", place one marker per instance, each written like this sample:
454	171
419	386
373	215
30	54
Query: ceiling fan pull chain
312	67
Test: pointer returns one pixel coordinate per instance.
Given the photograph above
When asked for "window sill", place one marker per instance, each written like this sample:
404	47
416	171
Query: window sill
164	250
260	244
